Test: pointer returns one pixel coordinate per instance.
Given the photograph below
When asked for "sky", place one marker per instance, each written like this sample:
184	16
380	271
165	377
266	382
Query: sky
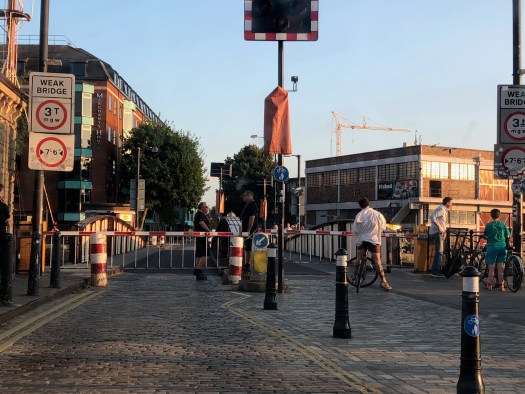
427	65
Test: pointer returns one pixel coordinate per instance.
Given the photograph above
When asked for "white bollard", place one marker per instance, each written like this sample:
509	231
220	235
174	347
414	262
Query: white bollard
236	252
98	259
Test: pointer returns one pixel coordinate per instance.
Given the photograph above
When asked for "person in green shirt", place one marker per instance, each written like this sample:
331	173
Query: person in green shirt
497	235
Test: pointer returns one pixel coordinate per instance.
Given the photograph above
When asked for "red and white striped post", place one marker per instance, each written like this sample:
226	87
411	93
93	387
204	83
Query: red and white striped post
236	252
98	259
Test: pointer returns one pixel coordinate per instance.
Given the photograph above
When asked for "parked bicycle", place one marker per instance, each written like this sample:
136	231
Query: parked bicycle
366	272
512	270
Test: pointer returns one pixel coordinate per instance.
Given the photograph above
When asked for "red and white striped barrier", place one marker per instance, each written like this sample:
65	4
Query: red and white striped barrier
218	234
236	252
98	259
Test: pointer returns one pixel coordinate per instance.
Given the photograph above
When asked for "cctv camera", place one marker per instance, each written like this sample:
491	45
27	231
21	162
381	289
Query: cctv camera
298	191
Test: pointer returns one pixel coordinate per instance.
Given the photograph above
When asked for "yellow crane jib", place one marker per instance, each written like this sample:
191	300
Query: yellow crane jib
339	125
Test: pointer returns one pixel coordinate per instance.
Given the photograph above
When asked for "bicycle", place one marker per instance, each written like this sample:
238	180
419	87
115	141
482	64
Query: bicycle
366	272
512	271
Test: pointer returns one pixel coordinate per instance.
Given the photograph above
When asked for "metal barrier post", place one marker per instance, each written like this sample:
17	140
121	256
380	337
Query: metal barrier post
6	270
470	379
54	281
269	300
99	256
341	327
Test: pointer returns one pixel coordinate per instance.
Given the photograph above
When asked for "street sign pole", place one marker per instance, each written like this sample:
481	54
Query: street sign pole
516	40
38	194
280	226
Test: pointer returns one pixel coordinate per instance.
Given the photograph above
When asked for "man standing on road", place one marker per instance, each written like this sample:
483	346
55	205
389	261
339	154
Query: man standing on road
249	225
369	225
438	233
201	222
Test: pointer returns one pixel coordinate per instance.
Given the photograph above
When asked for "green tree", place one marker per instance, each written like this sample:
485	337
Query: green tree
250	167
171	165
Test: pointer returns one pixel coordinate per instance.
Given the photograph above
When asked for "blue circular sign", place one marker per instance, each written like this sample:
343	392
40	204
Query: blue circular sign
281	174
471	325
260	241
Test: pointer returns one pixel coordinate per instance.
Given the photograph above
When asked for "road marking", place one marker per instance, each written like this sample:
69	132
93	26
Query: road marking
322	361
42	319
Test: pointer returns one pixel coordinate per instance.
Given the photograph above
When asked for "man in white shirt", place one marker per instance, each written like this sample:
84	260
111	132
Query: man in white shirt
368	226
438	233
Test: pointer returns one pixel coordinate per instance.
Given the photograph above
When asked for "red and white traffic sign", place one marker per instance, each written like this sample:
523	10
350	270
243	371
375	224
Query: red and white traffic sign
51	152
52	116
513	160
51	102
514	126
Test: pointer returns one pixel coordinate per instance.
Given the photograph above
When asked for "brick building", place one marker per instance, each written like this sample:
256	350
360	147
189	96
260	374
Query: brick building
406	184
106	108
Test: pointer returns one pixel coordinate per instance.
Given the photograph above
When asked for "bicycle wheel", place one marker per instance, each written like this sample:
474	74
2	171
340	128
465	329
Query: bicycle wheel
483	269
513	273
368	273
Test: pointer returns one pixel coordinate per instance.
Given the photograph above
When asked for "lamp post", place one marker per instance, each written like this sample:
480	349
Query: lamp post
298	196
137	212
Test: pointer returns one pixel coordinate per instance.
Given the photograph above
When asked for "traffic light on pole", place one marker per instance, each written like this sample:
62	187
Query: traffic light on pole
281	20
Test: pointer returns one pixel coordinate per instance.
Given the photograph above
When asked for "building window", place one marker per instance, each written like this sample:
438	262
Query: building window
349	176
367	174
408	170
330	178
314	180
435	188
462	171
434	169
87	104
110	101
387	172
462	217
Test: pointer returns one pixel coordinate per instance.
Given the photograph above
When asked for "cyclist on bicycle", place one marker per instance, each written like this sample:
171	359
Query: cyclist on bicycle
368	226
497	235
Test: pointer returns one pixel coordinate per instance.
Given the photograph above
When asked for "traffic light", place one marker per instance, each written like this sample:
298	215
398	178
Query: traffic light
281	20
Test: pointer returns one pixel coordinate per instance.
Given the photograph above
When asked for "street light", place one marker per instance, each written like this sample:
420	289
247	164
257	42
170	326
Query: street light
153	149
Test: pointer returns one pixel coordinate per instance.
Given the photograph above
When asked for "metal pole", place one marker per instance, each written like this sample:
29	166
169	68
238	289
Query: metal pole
516	76
137	212
55	263
299	197
38	194
280	226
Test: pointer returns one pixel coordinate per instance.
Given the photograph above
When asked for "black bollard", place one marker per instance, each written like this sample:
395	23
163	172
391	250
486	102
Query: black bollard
470	379
269	299
342	321
54	281
6	270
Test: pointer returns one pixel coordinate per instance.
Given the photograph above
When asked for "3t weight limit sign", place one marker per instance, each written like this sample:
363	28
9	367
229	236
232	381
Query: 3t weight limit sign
51	116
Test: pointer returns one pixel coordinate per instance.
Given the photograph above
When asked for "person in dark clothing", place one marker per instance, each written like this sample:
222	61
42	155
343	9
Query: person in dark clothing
201	222
4	216
249	225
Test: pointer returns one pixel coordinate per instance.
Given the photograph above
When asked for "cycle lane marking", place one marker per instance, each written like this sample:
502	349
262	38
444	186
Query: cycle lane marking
322	361
42	319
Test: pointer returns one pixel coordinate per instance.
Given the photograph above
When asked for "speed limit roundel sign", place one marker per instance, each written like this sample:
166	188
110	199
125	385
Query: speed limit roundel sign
514	126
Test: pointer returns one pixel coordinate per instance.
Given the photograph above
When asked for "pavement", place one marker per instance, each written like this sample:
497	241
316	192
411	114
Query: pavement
404	341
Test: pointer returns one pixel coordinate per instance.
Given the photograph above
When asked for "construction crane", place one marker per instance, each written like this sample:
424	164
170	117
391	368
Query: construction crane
340	125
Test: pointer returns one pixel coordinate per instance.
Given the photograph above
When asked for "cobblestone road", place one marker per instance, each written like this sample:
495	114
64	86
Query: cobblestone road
168	333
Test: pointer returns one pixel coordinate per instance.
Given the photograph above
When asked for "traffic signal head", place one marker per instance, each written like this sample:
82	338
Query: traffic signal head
271	20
